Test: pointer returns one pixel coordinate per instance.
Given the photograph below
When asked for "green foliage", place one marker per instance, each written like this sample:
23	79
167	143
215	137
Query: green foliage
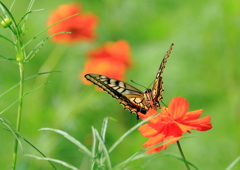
203	68
100	155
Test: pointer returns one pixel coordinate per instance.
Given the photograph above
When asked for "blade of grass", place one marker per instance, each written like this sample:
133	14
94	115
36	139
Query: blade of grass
93	148
104	127
28	14
7	39
54	160
128	132
103	133
179	158
30	145
27	79
22	97
12	5
16	136
10	59
104	149
138	155
30	5
233	163
71	139
34	51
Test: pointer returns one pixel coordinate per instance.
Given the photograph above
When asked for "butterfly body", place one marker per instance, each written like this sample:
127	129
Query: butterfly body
130	97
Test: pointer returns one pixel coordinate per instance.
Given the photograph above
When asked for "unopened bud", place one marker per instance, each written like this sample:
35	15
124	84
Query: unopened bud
6	22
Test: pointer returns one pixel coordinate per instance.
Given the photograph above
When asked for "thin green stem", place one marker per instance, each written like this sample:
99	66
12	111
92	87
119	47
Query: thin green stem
20	55
181	152
19	114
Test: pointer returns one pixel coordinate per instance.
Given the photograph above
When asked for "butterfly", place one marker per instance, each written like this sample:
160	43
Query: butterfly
130	97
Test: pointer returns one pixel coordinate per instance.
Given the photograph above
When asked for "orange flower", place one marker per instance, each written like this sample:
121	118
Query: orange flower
168	126
119	51
81	26
108	67
110	60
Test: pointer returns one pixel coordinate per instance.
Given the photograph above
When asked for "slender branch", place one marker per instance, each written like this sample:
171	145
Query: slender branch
181	152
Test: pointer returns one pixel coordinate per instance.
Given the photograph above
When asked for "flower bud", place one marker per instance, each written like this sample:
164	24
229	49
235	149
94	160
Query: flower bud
6	22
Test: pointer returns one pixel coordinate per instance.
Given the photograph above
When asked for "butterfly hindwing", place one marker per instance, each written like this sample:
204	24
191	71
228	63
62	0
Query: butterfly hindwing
157	88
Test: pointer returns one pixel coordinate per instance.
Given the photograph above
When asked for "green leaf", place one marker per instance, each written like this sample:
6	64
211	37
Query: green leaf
179	158
93	147
138	155
54	160
104	150
104	127
10	59
38	47
233	163
18	135
71	139
103	134
14	134
48	28
27	79
25	16
12	5
5	38
128	132
22	97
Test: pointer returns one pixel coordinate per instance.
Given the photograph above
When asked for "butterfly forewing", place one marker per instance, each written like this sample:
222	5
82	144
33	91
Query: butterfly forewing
130	97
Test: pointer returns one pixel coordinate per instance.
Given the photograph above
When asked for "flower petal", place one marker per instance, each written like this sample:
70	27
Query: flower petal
165	142
149	113
178	107
119	51
154	140
202	124
107	67
193	114
147	131
82	26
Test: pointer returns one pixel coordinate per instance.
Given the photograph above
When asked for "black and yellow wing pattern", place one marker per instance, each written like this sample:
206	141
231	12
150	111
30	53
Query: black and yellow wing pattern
130	97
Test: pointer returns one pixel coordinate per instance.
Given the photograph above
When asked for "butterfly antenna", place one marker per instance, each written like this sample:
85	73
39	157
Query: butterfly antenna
138	84
163	103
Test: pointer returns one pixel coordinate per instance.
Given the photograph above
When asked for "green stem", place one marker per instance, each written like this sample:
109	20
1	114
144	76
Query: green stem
21	71
181	152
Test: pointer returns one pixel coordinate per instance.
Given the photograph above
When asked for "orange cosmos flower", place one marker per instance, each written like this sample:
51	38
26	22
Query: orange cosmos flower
110	60
119	51
171	123
107	67
81	26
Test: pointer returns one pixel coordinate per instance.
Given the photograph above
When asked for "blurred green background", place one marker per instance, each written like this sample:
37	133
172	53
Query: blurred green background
203	68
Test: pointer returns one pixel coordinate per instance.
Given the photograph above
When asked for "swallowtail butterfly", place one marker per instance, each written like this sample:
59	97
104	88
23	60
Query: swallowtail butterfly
130	97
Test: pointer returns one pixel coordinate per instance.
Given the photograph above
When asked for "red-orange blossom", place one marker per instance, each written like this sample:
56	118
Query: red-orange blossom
111	59
168	126
81	26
